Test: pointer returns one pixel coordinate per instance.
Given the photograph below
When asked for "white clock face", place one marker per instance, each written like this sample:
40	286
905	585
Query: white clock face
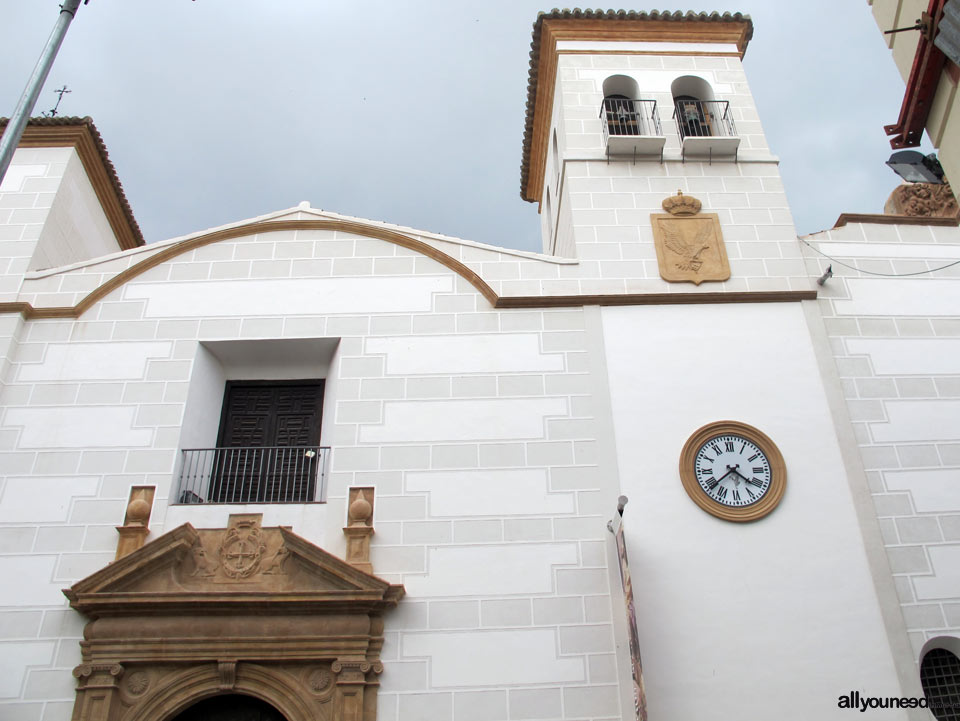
732	470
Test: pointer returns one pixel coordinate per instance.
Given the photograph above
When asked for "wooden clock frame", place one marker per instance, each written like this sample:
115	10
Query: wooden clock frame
741	514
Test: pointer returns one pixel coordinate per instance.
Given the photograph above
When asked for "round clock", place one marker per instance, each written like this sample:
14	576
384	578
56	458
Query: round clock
733	471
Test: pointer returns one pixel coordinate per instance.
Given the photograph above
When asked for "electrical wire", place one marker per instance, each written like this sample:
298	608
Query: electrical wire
873	272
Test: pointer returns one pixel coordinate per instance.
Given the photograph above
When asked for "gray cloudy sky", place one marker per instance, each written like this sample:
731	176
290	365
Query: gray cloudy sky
410	112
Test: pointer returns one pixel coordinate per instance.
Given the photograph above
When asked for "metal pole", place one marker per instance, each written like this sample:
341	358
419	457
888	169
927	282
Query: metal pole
14	130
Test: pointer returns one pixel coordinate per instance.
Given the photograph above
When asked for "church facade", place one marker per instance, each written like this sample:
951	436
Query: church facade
353	470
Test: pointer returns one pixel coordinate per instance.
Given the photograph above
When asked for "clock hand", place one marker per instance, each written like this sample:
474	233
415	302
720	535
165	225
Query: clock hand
731	469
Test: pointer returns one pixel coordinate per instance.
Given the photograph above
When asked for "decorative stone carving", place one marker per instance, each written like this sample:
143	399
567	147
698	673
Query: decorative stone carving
275	563
689	243
359	528
137	683
681	204
168	608
204	566
136	524
242	548
923	200
319	680
228	674
98	690
88	670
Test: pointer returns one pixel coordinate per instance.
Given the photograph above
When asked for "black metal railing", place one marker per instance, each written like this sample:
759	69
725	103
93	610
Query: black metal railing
704	118
623	116
273	474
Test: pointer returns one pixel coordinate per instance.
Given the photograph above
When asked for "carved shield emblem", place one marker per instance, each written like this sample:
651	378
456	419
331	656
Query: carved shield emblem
689	243
242	550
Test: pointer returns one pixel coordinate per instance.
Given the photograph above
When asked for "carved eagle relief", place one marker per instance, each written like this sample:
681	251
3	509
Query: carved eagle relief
689	252
689	243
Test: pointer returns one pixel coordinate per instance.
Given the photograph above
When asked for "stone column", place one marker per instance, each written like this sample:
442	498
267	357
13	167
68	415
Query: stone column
98	692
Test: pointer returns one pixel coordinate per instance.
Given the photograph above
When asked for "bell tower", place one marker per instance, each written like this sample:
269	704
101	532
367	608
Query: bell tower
627	109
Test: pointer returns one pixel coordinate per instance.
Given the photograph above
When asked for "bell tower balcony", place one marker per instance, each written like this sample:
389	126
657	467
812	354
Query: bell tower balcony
706	129
631	127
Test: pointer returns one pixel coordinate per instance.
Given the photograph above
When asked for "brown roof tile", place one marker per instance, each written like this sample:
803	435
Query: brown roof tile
117	209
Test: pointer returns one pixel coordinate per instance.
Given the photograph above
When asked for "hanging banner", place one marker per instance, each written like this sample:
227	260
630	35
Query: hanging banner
636	667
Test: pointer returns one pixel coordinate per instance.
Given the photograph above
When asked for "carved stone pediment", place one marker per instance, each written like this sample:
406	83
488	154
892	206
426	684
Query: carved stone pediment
247	609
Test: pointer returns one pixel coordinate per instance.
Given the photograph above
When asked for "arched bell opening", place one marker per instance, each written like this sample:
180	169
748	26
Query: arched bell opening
620	95
693	99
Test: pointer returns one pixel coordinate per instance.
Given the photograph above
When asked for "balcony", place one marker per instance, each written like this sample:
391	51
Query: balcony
272	474
706	129
631	127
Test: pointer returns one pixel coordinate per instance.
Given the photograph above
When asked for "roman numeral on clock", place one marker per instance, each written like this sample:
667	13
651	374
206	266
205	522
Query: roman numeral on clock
722	493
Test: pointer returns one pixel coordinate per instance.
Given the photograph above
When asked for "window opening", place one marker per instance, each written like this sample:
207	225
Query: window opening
940	678
268	447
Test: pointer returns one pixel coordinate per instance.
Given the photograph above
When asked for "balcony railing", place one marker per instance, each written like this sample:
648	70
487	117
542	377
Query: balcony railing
631	126
630	117
273	474
706	127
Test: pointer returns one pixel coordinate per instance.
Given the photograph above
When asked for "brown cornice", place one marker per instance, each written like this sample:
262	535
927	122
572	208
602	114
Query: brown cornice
172	251
567	301
29	312
884	219
82	135
615	26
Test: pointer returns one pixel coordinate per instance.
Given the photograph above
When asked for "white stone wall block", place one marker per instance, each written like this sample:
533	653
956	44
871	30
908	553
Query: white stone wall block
78	427
15	658
289	296
509	353
945	583
42	500
919	420
900	297
492	658
33	584
909	356
473	420
932	489
489	493
13	181
491	570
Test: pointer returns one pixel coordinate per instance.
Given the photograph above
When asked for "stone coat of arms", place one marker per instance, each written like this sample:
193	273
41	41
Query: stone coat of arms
689	243
242	549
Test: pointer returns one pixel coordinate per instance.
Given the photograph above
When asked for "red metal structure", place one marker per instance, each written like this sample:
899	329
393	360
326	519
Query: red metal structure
922	83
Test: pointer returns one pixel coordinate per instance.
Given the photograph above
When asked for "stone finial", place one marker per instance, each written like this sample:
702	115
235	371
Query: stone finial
360	510
359	528
681	204
136	522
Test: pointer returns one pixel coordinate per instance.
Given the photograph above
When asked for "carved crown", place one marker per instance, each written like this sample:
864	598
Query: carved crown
681	204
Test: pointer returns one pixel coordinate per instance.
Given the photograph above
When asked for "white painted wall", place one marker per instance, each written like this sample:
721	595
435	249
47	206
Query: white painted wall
733	616
893	320
76	228
474	425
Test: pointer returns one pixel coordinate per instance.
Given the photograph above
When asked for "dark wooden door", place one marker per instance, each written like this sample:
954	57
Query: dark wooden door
269	434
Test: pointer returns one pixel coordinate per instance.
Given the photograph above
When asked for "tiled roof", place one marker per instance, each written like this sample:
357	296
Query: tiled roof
615	15
63	121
